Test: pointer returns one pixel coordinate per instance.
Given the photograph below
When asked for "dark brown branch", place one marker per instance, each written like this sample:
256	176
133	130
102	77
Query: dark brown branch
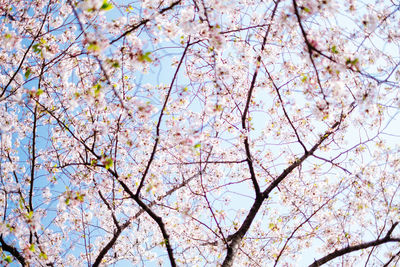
146	208
144	22
126	224
299	161
33	163
211	210
211	162
110	209
297	228
33	152
285	112
349	249
161	225
237	237
26	53
12	250
244	29
310	47
153	152
251	167
150	212
391	259
110	244
249	158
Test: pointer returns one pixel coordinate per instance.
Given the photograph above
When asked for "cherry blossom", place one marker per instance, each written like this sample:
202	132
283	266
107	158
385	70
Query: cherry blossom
199	133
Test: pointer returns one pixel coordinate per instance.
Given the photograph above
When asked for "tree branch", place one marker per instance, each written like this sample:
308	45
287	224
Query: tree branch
26	53
12	250
310	47
237	237
249	158
349	249
110	244
144	21
298	162
153	152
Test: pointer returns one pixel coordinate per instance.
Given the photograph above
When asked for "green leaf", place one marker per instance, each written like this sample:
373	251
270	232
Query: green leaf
115	64
106	6
108	163
10	228
149	188
145	57
27	73
93	47
80	197
39	92
97	89
352	62
164	242
29	215
334	49
8	259
36	48
21	203
197	145
43	255
32	247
